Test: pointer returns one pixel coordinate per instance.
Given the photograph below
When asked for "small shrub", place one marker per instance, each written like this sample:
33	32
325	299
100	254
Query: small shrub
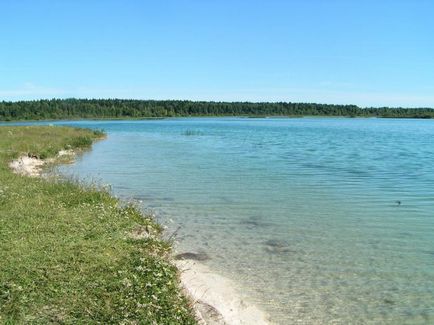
81	142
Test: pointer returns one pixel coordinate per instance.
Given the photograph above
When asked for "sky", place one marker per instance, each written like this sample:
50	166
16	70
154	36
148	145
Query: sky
363	52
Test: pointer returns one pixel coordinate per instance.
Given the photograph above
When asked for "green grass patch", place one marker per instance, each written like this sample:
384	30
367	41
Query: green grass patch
73	254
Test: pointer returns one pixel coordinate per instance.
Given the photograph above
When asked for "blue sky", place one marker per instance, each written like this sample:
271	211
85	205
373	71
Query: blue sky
370	53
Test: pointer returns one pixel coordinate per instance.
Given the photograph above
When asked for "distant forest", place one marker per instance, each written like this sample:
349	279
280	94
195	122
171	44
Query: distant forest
122	108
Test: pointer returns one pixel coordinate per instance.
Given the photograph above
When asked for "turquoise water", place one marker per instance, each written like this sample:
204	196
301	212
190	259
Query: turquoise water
318	221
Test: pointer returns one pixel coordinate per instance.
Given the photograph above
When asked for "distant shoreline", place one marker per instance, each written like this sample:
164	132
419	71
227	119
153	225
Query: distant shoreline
210	117
58	109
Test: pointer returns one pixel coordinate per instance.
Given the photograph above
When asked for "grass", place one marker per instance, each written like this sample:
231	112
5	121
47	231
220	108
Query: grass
73	254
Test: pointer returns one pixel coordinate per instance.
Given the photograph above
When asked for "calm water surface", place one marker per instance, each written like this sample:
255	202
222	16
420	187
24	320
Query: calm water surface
319	221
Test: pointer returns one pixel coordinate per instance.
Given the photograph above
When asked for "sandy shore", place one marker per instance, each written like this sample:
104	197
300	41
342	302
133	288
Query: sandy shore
215	299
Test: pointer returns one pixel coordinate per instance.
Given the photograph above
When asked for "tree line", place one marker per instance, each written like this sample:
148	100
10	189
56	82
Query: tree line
124	108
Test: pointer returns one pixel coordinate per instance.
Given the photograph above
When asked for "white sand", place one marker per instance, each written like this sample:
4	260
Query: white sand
27	166
32	167
215	299
68	152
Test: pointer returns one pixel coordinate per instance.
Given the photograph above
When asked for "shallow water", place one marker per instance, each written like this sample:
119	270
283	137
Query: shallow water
318	220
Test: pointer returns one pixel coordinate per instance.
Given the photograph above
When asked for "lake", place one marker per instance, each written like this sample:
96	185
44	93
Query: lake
318	220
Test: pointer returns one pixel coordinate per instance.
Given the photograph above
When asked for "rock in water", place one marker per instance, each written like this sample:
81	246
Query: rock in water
200	256
278	246
209	314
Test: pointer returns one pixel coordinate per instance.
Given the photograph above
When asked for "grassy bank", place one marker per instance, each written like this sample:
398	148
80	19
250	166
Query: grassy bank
74	254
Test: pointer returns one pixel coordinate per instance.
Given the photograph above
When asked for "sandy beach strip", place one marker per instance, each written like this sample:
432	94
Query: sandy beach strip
215	298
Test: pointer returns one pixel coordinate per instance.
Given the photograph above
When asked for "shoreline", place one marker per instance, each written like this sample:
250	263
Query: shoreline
214	298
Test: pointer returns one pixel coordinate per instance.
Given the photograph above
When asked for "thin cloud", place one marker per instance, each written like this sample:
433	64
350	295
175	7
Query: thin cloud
30	91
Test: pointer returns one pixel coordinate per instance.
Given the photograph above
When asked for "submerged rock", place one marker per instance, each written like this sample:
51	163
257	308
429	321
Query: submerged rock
209	314
250	222
254	222
276	243
388	301
278	246
200	256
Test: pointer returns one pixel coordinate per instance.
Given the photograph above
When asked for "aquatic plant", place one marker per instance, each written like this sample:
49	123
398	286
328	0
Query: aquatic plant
192	133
